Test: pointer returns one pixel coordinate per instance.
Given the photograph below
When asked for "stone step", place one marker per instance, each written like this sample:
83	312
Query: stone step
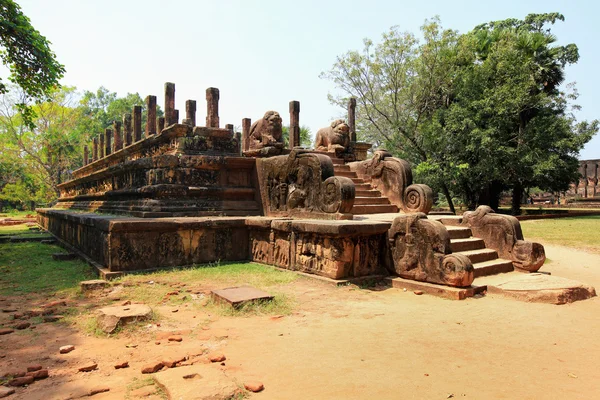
358	180
362	187
480	255
347	174
337	161
371	200
367	193
341	167
492	267
374	209
466	244
458	232
451	220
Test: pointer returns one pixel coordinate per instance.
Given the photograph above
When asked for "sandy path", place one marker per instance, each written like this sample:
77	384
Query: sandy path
392	344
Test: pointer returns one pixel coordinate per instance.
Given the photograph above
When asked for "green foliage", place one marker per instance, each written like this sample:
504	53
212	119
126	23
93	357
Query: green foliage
22	265
477	113
33	66
306	139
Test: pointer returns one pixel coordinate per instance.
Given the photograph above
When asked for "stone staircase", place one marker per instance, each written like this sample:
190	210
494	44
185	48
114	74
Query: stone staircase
485	261
367	200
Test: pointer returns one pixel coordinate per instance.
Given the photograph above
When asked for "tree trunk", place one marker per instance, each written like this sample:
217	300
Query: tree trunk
448	198
517	194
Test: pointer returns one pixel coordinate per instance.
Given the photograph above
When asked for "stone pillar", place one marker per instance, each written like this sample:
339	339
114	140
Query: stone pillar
352	118
160	124
212	107
585	181
169	103
107	141
151	116
190	111
85	155
229	127
595	179
137	123
118	139
102	148
127	128
95	149
246	123
294	124
175	117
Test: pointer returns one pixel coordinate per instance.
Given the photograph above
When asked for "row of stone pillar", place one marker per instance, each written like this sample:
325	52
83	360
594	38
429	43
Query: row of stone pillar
129	131
589	172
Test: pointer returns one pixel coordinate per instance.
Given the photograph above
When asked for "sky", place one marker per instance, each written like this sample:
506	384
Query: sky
263	54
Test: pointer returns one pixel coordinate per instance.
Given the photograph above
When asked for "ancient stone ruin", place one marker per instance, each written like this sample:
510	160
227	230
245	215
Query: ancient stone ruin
175	194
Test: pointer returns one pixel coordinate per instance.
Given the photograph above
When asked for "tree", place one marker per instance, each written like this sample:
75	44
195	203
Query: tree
33	66
305	136
477	113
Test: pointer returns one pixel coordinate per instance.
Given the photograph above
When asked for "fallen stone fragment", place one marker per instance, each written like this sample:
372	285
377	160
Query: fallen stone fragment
9	310
5	391
53	318
48	241
56	303
238	296
126	303
175	338
98	390
13	374
124	364
6	331
22	325
88	367
143	392
203	382
418	292
152	368
173	363
25	380
217	357
254	386
66	349
37	375
92	285
18	316
33	368
109	318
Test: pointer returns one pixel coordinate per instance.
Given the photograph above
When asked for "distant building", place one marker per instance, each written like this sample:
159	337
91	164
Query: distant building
587	186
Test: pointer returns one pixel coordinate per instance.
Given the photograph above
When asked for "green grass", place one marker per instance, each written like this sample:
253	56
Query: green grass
16	230
577	232
29	268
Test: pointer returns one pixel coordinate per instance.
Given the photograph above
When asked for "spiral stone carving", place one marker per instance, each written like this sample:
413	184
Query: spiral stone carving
337	194
418	198
458	270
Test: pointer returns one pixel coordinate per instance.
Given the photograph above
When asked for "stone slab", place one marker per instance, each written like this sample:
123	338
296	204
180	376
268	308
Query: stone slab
64	256
446	292
109	318
196	382
237	296
539	288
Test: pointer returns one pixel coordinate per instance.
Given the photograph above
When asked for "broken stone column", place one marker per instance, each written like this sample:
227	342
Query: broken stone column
118	139
127	129
352	118
212	107
137	123
246	122
107	141
95	149
190	112
169	103
294	124
151	117
229	127
85	155
175	117
101	155
160	124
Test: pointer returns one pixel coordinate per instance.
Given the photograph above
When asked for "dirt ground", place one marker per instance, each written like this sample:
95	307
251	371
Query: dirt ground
348	343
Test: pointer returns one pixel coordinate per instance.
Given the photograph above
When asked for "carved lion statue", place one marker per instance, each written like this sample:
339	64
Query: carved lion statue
333	138
267	131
